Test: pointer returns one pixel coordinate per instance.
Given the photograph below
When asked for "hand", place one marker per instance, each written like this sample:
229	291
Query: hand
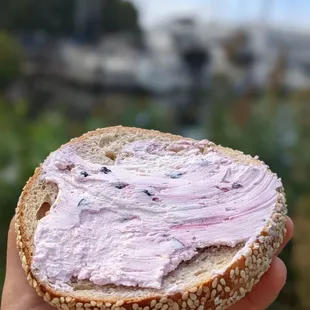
271	283
17	293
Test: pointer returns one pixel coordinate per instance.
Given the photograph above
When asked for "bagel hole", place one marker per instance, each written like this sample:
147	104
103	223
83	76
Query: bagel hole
110	155
43	210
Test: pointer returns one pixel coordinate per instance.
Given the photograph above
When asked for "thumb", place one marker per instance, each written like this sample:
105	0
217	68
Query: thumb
17	293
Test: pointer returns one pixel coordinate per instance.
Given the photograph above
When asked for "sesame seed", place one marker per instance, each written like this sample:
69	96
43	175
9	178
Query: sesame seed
153	303
213	293
24	260
242	273
65	307
237	271
159	305
217	300
185	295
241	280
134	306
56	301
190	302
203	300
119	303
242	291
214	283
93	303
34	283
165	307
218	308
222	281
47	298
192	296
87	305
170	302
68	299
201	307
199	291
219	287
62	299
232	273
176	306
206	289
193	289
227	289
184	305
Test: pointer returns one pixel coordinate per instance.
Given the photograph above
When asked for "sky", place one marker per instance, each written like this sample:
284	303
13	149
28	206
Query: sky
288	13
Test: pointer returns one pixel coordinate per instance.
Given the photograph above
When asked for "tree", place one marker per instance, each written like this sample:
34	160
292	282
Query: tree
10	60
55	17
119	16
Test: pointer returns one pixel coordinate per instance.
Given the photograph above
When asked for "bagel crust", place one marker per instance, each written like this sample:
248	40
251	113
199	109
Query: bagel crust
215	293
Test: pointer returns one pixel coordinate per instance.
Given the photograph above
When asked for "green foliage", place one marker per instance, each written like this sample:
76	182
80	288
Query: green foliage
118	16
10	60
55	17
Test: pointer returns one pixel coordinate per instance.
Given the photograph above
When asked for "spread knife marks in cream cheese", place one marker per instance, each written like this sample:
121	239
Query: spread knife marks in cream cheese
133	222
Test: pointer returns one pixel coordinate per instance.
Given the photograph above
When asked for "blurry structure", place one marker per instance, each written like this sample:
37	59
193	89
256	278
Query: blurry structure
87	19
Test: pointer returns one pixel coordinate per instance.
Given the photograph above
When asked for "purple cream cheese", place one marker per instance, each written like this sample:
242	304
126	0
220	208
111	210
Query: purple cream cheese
133	222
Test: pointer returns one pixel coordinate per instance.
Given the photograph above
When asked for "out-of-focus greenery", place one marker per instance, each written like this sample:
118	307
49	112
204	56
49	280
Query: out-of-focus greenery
10	60
57	17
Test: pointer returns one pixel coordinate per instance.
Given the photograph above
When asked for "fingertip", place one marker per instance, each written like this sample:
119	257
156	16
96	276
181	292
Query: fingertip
289	228
288	234
280	272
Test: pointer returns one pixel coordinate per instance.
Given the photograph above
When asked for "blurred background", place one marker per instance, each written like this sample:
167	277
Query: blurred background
234	71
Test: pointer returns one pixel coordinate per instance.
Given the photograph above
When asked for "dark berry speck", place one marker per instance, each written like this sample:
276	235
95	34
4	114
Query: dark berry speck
105	170
84	173
81	202
121	185
236	185
175	175
147	192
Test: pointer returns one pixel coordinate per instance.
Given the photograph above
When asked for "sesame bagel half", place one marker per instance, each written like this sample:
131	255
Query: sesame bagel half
216	242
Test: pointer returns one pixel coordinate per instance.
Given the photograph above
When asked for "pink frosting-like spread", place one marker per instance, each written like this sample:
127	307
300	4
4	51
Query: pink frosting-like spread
133	222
